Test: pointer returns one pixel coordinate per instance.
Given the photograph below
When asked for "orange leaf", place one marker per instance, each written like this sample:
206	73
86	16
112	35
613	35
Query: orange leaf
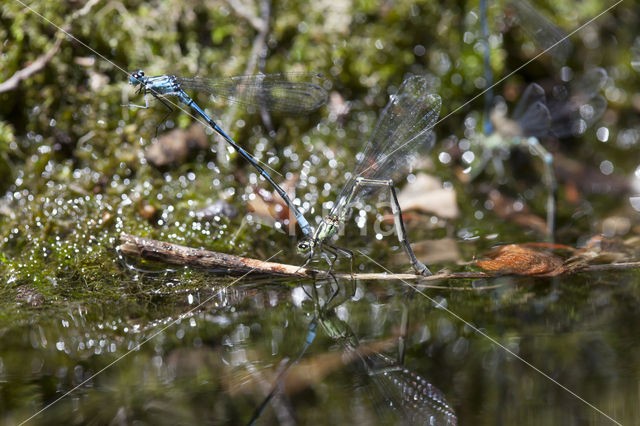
514	259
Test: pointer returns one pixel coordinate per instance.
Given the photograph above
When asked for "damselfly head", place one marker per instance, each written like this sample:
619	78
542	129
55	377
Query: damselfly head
137	77
304	246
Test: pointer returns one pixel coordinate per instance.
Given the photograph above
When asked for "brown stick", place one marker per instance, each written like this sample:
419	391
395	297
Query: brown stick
149	249
14	81
176	254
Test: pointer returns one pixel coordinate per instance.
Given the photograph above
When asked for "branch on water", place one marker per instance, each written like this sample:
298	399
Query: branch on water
175	254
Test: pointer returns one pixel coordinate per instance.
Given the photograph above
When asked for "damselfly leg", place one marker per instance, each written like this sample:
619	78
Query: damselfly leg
361	183
549	178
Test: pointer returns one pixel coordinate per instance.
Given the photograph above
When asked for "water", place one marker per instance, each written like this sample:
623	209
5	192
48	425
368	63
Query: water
219	363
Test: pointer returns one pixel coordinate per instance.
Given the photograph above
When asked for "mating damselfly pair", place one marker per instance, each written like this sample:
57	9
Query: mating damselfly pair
405	123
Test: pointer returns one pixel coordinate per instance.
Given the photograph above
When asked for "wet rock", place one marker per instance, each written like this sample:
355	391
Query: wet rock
176	146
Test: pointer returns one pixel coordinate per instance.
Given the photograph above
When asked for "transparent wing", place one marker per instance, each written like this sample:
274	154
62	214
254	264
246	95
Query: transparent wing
403	127
414	400
591	82
544	33
531	113
292	93
576	108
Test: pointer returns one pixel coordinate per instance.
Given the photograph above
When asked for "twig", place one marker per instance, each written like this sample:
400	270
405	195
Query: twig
243	11
36	66
176	254
149	249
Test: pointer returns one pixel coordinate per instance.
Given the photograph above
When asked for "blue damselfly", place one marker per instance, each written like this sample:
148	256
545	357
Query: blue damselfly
404	124
274	92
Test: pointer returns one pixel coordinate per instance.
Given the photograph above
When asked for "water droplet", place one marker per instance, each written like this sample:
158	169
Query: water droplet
606	167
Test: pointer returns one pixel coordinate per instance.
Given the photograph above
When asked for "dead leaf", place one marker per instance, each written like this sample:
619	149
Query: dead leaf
175	146
515	259
602	250
528	259
427	195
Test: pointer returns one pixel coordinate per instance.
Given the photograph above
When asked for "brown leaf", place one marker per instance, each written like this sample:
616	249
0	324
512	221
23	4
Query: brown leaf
515	259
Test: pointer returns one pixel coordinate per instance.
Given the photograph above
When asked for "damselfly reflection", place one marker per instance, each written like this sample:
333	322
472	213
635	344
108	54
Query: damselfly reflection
398	394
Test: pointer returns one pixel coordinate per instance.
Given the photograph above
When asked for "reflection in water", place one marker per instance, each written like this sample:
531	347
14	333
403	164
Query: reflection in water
399	395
